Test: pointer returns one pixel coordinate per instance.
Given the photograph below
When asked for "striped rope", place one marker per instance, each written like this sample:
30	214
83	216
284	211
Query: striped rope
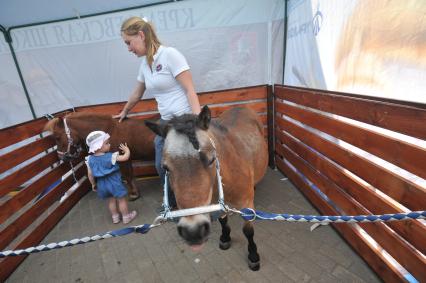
250	215
246	213
111	234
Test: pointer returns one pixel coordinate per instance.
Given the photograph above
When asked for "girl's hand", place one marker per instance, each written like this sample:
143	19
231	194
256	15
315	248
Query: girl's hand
124	148
94	187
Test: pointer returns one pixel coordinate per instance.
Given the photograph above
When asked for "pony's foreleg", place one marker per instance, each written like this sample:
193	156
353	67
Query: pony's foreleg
128	175
225	239
253	256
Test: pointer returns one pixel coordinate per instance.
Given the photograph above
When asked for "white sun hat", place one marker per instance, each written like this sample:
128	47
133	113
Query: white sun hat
95	140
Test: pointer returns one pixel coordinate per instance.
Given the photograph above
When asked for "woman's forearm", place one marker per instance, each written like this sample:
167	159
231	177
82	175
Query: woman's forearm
134	97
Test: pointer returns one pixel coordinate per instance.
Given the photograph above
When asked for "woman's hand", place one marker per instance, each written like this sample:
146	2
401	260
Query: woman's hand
121	116
94	187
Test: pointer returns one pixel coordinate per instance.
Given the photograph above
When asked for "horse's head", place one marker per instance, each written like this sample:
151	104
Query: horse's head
189	155
68	141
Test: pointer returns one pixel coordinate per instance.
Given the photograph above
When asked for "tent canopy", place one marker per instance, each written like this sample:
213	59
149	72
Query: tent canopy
24	12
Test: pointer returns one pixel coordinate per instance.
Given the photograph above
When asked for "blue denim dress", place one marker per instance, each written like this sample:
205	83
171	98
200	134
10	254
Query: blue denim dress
107	175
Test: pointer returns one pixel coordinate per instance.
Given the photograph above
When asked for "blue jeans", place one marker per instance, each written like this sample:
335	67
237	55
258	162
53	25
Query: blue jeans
159	144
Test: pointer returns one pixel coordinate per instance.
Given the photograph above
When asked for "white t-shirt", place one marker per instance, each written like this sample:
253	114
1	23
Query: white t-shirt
161	83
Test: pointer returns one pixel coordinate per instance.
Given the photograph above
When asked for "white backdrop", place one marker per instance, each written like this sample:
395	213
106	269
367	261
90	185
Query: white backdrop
14	107
84	62
374	48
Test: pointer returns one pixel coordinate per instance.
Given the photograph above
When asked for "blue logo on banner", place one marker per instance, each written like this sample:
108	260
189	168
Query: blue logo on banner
317	22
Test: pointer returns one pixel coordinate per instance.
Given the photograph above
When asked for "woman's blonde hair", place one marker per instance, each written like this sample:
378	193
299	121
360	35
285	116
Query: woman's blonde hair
134	25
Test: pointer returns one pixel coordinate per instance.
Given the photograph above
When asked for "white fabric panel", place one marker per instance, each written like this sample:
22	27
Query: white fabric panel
83	62
36	11
373	48
14	108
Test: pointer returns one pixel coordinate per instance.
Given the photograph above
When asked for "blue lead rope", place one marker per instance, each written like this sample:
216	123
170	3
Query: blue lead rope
246	213
111	234
251	215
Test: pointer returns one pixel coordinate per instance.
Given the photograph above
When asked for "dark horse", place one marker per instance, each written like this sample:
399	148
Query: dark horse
131	131
193	145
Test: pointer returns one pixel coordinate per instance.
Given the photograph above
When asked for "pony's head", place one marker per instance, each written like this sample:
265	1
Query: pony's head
189	155
68	145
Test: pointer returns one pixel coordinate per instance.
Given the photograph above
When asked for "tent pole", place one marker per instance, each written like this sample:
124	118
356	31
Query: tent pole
285	36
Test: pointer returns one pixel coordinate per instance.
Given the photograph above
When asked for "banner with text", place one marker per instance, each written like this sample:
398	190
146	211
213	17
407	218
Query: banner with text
83	62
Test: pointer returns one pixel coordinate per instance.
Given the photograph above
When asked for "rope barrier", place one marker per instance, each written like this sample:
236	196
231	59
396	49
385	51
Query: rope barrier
251	215
143	229
247	214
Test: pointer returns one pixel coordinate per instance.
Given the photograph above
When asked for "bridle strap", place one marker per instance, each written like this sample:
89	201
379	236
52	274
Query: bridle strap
70	142
167	214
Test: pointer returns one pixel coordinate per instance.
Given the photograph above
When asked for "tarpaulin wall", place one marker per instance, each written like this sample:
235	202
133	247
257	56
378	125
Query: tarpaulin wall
84	61
374	48
14	107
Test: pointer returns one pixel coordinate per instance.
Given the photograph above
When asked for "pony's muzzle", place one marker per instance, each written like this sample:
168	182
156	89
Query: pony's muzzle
194	229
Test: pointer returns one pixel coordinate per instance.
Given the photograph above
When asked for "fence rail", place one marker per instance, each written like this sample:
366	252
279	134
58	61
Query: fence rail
347	155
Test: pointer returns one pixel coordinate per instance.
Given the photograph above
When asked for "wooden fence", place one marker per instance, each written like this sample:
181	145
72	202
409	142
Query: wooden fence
353	155
30	165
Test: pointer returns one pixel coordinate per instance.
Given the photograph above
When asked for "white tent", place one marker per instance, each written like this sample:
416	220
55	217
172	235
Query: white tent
84	61
374	48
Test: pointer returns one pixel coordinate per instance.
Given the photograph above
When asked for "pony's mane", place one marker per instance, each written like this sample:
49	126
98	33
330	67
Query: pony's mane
52	124
88	115
187	124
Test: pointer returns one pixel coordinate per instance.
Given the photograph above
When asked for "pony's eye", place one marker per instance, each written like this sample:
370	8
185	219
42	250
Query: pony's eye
165	167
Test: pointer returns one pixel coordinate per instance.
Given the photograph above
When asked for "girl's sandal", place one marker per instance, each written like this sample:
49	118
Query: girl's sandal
115	218
129	217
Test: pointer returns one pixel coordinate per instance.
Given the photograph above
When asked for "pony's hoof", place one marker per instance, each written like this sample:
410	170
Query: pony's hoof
224	245
133	197
255	266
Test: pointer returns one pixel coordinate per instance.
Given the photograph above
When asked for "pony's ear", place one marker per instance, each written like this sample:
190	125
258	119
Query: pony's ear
204	118
50	126
159	129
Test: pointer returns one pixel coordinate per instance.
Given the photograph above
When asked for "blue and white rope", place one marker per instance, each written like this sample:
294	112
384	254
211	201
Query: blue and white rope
246	213
251	215
111	234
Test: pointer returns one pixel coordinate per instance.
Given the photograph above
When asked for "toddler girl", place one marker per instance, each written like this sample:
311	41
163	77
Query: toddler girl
105	177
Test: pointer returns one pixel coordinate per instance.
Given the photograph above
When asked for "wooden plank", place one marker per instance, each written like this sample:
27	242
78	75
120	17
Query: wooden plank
9	264
215	97
18	156
368	251
404	191
19	177
363	96
144	170
270	130
399	118
115	108
9	233
411	230
258	107
17	133
18	201
396	246
402	154
233	95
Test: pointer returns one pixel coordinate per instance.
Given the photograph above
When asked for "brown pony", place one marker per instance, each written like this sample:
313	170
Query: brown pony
131	131
193	145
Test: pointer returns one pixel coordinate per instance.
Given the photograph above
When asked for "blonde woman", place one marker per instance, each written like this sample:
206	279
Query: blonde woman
164	73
